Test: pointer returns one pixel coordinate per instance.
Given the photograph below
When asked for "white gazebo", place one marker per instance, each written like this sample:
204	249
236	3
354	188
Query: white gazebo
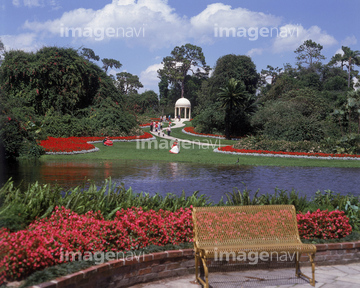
183	104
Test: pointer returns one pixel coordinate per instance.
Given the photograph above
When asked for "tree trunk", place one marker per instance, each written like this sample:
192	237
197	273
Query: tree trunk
227	124
349	121
342	133
349	72
182	88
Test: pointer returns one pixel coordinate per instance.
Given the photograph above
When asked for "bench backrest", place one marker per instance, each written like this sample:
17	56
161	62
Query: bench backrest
245	225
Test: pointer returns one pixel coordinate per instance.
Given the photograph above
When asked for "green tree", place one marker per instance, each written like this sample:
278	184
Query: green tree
89	54
128	83
231	96
184	59
1	50
110	63
352	58
309	53
55	77
163	90
239	67
271	72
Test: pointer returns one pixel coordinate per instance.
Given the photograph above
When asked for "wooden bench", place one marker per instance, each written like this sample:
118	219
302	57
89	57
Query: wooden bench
240	230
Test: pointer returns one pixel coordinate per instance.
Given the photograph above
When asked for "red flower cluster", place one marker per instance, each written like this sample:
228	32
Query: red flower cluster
44	242
232	149
71	144
323	225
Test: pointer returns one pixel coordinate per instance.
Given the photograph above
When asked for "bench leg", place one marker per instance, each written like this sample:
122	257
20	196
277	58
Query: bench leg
312	256
196	267
297	265
298	272
206	272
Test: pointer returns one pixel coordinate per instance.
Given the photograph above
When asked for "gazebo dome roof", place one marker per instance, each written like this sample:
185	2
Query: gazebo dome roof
182	102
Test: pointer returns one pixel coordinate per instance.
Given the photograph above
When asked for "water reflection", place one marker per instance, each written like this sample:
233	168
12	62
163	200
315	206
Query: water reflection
165	177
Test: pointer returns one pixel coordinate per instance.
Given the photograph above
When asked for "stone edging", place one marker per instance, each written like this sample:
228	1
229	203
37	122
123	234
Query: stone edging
96	149
149	267
287	156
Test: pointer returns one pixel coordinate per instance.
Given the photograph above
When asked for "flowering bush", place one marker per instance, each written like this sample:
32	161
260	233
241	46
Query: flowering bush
323	225
45	240
70	144
232	149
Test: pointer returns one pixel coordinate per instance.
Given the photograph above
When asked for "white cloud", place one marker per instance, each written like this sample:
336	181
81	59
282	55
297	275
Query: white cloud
35	3
16	3
30	3
224	16
26	42
297	34
151	23
349	41
149	77
255	51
339	51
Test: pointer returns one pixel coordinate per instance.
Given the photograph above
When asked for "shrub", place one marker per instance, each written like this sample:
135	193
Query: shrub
323	225
45	241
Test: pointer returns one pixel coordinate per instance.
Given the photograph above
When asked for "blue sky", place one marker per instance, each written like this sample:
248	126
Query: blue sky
140	33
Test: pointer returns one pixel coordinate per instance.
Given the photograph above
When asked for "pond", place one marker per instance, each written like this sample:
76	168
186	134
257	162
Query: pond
165	177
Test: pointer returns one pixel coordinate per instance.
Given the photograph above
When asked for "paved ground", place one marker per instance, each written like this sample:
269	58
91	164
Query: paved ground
178	125
341	276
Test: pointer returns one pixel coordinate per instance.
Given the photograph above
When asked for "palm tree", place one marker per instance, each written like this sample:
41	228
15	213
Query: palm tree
352	58
233	95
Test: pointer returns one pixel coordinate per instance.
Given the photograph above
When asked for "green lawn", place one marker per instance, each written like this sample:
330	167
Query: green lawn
159	151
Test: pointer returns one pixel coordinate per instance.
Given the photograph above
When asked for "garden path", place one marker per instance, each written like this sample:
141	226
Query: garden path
345	276
179	124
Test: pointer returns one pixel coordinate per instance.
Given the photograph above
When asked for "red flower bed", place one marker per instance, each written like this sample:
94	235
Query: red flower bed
71	144
323	225
232	149
44	242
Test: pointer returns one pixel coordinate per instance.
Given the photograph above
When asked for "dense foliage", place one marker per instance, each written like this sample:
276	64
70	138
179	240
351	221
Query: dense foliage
56	92
212	116
313	102
46	242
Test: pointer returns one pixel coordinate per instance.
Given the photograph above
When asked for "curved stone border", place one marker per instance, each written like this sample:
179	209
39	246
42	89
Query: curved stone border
287	156
127	272
97	149
208	136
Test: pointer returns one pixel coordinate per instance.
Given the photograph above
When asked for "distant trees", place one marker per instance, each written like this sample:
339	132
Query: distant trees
309	53
234	77
312	102
231	96
350	58
128	83
110	63
89	54
62	93
184	59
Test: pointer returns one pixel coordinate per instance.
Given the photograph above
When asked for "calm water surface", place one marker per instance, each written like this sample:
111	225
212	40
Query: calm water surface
164	177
